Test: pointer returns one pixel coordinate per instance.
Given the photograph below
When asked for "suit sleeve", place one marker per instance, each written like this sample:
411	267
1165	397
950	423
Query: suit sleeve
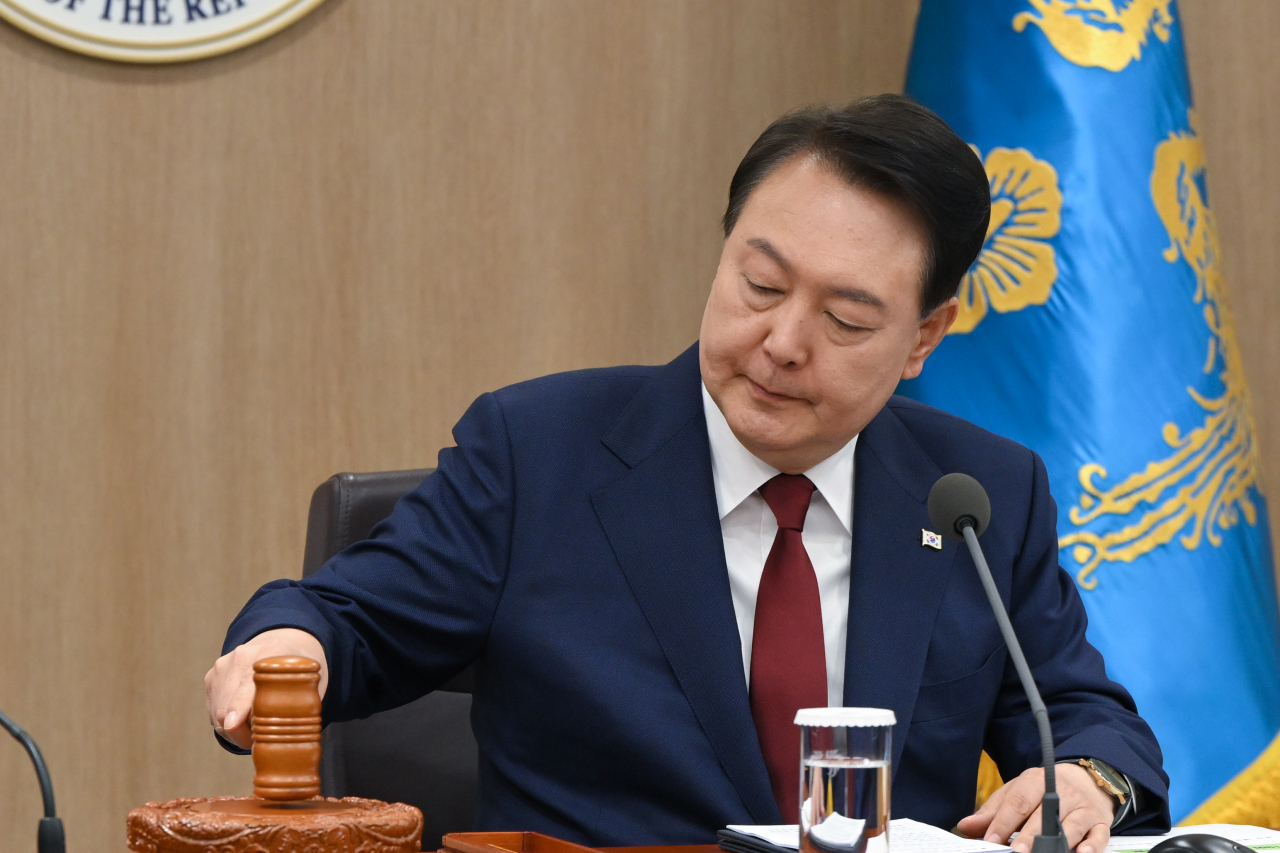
402	612
1091	715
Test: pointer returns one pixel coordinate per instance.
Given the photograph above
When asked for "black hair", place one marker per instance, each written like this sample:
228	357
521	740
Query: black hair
887	144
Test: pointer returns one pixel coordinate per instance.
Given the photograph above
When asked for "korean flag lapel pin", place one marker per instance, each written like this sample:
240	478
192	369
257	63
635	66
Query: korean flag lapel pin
929	539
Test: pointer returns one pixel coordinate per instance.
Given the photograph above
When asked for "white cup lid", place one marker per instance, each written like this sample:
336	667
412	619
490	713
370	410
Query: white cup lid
845	717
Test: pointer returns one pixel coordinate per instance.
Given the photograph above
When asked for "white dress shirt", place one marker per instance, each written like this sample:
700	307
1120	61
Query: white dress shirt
748	527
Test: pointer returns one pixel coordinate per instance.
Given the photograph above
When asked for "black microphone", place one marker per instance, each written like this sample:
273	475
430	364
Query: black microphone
51	838
960	509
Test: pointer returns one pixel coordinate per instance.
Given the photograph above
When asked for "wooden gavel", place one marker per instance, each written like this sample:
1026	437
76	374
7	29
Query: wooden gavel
286	814
286	729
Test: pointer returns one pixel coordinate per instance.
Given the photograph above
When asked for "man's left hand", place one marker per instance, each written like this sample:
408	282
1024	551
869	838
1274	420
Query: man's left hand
1087	811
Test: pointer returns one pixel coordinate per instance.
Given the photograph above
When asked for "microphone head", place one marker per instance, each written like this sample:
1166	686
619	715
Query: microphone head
956	497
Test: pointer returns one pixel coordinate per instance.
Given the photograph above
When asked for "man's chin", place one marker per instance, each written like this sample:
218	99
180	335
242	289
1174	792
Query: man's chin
766	443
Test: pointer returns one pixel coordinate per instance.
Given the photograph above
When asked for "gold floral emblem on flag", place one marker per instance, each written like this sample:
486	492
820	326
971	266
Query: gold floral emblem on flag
1016	266
1202	488
1096	34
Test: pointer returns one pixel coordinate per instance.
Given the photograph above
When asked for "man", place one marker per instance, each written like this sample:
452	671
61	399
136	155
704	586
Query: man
653	568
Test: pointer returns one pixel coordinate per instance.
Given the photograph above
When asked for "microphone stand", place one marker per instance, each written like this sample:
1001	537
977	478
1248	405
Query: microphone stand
1051	839
51	838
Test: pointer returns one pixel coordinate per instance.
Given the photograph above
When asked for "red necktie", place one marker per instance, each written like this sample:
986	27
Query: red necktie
788	658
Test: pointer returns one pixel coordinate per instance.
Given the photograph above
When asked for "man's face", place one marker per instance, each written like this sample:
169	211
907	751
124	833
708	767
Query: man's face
814	314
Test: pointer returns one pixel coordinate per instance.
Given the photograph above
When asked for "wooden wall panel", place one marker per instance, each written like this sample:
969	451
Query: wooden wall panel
223	281
1235	75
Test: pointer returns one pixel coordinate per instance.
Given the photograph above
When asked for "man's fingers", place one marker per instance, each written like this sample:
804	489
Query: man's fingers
1027	833
229	694
235	693
240	705
1021	800
975	825
1080	823
1016	808
215	687
241	735
232	719
1096	839
1082	826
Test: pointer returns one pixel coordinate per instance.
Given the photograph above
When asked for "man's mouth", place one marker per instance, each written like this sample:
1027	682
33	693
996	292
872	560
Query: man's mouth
767	394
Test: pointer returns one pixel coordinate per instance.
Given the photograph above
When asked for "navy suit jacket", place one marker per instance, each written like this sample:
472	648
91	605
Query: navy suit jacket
570	546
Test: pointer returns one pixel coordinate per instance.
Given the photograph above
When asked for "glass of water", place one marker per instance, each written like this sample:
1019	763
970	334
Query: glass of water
844	779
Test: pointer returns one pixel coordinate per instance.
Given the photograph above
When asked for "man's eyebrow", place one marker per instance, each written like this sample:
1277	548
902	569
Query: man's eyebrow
767	248
853	294
857	294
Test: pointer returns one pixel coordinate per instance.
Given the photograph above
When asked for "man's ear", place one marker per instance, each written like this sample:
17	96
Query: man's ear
932	330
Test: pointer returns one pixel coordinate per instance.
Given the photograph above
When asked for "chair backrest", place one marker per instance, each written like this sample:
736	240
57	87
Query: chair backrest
345	507
422	753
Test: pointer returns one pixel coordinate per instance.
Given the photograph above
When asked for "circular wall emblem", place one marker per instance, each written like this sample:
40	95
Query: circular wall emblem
153	30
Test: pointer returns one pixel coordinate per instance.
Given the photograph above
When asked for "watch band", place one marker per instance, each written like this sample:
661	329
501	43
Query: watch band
1115	783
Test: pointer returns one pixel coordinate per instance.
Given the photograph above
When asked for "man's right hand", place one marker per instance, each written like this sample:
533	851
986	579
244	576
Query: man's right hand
228	687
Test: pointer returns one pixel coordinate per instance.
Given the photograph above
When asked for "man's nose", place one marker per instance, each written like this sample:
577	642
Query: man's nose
788	340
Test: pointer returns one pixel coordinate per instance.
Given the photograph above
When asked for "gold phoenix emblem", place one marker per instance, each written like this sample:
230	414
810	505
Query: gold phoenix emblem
1016	266
1094	33
1202	487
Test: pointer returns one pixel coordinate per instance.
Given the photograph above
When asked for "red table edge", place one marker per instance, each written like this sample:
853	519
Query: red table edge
536	842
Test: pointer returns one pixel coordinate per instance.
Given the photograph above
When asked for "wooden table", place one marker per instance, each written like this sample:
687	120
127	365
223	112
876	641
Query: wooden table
535	842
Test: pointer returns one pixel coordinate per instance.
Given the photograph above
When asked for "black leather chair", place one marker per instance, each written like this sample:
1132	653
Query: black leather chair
422	753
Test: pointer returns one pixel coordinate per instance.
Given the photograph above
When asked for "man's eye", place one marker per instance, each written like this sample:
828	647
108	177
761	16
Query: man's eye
760	288
843	326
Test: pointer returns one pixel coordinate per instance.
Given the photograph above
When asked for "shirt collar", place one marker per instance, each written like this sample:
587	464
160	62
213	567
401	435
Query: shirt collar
738	473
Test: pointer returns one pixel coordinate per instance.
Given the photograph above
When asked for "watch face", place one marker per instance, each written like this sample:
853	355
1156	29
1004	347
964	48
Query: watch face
153	30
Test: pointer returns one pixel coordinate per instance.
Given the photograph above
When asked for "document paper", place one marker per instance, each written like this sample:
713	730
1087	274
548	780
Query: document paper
911	836
905	836
1250	836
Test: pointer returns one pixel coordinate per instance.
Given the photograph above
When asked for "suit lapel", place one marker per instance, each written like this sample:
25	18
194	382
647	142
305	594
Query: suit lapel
895	584
662	522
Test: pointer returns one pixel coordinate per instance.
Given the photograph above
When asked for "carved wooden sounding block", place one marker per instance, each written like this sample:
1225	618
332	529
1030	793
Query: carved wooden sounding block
286	816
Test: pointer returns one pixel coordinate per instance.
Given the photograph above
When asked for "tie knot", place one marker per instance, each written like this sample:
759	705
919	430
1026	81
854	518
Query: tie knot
788	496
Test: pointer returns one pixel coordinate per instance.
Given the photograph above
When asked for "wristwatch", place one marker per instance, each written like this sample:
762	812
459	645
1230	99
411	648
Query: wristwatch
1112	781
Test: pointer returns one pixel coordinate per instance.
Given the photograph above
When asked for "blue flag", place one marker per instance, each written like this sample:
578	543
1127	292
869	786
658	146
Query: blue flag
1094	329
